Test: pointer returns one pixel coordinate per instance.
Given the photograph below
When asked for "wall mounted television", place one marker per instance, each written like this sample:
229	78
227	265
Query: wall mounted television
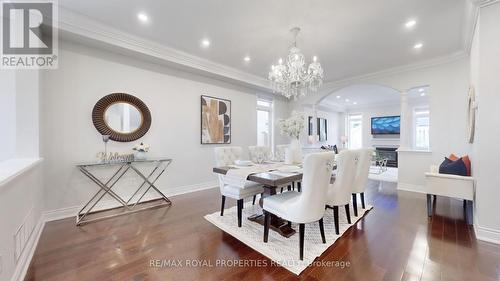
386	125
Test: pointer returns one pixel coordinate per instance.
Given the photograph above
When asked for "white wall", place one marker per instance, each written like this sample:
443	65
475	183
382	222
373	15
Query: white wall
370	140
173	97
8	114
485	67
335	127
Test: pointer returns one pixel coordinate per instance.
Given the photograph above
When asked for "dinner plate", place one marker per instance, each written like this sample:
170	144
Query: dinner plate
243	162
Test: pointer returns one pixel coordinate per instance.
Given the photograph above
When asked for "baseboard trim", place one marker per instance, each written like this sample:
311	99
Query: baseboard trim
25	258
487	234
72	211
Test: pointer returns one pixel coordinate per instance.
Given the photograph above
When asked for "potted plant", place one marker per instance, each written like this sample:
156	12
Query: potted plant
140	151
293	127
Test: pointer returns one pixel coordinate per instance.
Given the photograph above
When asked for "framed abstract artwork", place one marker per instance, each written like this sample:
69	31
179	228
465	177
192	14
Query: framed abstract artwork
322	129
215	120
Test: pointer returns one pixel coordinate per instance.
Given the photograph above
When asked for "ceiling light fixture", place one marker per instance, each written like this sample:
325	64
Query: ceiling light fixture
205	43
246	58
411	23
143	17
346	100
421	89
294	78
418	46
338	97
354	103
422	94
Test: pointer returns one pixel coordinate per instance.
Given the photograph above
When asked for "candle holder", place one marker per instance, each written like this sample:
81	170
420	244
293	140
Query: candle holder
105	139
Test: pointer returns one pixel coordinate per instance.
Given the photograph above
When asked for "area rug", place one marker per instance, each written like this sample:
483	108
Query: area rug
284	251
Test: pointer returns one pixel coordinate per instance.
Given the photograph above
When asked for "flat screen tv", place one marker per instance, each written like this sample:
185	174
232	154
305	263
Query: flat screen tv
387	125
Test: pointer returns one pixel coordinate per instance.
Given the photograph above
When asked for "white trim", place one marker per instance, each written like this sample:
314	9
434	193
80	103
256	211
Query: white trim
413	150
67	212
487	234
13	168
26	256
75	27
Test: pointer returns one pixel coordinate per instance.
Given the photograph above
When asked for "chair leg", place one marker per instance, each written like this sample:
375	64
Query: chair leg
363	200
355	204
282	190
301	240
289	188
348	213
240	209
289	224
322	230
293	185
254	197
336	219
299	186
429	205
266	226
222	205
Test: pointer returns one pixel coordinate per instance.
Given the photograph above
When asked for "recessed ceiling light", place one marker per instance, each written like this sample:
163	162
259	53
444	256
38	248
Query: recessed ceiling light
354	103
346	100
246	58
422	94
338	97
421	89
143	17
411	23
205	43
315	58
418	46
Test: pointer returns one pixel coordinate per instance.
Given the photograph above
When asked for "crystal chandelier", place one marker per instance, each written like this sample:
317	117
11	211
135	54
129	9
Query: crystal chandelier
292	78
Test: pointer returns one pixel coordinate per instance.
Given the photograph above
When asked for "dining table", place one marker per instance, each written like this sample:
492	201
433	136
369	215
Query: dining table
271	181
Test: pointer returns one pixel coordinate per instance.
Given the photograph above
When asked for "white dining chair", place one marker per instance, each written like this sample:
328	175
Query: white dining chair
259	153
339	193
225	156
279	153
364	157
306	206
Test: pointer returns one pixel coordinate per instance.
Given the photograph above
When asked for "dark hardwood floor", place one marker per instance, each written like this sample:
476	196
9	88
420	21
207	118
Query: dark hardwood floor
395	241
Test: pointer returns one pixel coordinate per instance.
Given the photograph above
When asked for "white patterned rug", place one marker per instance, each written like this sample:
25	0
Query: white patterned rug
284	251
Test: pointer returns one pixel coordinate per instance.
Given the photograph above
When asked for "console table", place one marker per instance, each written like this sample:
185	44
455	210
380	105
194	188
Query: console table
128	206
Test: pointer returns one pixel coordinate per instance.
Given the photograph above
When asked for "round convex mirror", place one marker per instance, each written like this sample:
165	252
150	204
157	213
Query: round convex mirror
123	117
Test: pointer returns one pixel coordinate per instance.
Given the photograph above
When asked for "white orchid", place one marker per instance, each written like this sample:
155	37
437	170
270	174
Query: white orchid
292	126
141	147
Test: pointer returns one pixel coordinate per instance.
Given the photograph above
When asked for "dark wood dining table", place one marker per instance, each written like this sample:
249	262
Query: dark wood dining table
271	182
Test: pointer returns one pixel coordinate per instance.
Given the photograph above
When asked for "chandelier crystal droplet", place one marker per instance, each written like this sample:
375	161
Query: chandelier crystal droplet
291	78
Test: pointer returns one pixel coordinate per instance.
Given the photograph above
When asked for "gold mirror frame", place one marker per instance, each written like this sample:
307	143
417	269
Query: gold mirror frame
100	122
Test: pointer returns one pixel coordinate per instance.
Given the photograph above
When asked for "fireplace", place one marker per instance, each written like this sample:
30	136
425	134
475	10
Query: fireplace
390	154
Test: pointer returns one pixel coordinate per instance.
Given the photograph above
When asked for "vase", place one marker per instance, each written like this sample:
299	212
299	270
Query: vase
296	150
140	155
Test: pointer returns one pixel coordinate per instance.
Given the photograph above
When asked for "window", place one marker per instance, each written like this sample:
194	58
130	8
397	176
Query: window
355	131
264	122
421	128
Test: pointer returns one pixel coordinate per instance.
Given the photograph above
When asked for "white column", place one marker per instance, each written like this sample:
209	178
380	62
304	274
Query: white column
405	142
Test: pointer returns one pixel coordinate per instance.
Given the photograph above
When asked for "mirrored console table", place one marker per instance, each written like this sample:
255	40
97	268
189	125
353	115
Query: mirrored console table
88	214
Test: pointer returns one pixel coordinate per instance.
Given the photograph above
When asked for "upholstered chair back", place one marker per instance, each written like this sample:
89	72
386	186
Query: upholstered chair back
225	156
364	158
310	205
280	152
255	152
339	193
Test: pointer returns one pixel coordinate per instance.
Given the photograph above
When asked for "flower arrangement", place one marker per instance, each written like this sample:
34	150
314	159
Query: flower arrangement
141	147
292	126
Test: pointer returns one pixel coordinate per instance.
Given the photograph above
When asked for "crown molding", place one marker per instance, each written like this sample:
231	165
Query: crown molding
74	25
334	85
483	3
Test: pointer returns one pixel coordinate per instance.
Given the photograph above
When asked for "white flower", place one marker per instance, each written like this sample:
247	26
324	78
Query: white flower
292	126
141	147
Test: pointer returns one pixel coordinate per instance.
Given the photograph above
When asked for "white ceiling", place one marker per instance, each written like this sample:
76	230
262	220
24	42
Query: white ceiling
349	37
368	95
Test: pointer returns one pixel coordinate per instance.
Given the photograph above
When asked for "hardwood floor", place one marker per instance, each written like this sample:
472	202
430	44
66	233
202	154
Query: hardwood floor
395	241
